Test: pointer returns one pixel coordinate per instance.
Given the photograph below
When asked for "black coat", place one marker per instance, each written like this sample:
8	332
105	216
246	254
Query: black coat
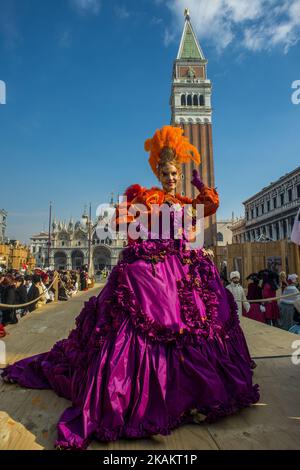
8	296
33	293
21	295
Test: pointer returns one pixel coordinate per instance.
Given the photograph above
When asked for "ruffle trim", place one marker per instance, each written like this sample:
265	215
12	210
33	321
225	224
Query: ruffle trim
211	413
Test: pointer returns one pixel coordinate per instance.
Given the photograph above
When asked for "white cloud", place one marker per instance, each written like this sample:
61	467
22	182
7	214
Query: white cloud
87	6
244	9
279	29
254	38
169	37
156	20
252	24
122	12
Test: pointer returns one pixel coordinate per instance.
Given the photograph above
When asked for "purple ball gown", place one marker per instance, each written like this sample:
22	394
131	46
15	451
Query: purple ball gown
161	340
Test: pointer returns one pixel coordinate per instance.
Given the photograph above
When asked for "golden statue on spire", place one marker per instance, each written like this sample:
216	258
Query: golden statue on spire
187	13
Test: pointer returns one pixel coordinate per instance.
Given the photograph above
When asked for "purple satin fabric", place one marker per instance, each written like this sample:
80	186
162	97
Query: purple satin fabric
161	339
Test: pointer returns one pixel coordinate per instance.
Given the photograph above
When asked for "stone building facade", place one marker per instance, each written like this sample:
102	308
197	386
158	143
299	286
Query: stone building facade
224	233
3	219
69	248
270	213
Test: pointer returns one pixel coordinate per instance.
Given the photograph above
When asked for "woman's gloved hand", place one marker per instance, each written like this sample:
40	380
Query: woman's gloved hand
196	181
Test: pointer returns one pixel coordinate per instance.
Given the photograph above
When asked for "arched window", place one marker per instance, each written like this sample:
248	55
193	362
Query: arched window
183	100
201	100
195	100
220	237
189	100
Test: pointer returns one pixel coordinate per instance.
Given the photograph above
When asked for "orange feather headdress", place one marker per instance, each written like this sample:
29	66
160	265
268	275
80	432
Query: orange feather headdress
169	136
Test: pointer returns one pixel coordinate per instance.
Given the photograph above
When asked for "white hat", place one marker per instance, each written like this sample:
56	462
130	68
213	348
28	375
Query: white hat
292	277
297	305
235	274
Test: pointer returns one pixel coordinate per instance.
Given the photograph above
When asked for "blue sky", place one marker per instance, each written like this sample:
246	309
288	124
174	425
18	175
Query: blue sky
88	81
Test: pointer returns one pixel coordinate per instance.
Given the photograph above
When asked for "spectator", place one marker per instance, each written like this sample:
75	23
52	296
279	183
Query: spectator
8	296
21	295
270	283
224	280
62	293
50	295
283	281
34	292
28	282
44	282
287	305
83	278
257	310
296	327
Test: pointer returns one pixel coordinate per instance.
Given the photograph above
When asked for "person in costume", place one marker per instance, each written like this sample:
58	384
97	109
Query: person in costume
238	292
270	283
161	344
257	309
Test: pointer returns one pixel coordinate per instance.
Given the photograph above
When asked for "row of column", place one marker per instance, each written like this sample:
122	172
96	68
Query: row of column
275	231
69	260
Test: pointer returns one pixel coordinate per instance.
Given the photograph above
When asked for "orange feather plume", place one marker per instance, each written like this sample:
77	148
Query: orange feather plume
169	136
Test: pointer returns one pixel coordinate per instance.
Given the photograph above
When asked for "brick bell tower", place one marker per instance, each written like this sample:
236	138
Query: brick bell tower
191	109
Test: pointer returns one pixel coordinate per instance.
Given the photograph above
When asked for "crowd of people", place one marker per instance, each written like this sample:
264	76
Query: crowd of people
17	288
36	289
282	312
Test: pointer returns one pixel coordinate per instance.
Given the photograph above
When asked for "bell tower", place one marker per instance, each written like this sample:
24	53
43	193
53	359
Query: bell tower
191	109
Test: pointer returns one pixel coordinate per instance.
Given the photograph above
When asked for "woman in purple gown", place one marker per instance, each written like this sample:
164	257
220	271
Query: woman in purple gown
161	344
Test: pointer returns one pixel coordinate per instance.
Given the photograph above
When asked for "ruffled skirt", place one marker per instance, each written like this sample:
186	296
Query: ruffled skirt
161	342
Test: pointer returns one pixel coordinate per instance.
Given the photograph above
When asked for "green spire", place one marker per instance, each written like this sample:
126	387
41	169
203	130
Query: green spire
190	48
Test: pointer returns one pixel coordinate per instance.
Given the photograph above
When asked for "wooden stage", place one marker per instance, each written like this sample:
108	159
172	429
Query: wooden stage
28	417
